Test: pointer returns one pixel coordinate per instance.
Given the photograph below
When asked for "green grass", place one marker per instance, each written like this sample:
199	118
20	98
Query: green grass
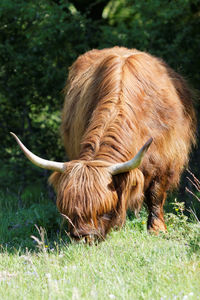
130	264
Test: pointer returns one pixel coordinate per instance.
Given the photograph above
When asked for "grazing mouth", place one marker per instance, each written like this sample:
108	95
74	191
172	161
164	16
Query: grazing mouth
89	239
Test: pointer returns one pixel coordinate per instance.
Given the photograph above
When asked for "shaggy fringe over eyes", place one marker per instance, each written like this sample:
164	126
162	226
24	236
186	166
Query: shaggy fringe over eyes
85	188
88	191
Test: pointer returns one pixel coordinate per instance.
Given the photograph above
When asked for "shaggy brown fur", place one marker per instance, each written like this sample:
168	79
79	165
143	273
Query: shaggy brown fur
115	100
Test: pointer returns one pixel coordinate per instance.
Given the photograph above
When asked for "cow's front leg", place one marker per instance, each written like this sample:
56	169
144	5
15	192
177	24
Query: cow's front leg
155	199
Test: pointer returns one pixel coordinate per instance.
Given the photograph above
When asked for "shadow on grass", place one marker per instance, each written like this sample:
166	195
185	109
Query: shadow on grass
33	236
20	221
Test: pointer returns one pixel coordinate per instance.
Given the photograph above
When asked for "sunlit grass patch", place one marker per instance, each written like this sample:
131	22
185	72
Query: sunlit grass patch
40	262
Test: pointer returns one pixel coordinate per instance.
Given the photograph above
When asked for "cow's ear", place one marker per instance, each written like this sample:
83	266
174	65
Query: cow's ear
54	180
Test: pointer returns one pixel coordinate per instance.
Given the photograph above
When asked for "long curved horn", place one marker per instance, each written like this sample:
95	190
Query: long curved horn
40	162
131	164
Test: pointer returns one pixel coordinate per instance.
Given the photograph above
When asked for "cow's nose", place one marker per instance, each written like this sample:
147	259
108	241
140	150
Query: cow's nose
86	238
75	235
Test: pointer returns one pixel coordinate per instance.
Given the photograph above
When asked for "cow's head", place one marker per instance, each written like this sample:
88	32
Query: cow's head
90	194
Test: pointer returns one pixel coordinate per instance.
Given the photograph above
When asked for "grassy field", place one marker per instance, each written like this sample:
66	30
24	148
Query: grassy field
42	263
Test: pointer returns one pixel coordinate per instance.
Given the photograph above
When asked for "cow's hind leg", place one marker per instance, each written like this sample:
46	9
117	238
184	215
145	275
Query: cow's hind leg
155	197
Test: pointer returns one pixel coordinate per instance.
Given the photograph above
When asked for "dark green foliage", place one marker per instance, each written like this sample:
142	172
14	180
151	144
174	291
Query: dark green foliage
39	40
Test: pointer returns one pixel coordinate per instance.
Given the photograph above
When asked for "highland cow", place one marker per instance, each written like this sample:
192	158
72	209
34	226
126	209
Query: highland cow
119	103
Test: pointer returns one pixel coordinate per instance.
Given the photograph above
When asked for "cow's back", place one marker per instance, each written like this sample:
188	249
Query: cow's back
116	99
